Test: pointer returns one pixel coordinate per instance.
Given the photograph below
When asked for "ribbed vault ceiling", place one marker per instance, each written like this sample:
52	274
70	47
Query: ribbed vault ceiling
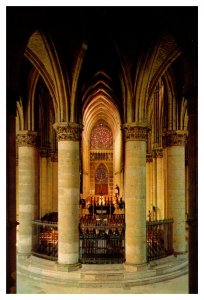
101	108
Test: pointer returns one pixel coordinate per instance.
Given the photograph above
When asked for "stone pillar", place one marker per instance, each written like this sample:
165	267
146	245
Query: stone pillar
54	160
122	183
159	183
135	136
16	184
11	222
149	202
118	161
165	178
28	188
43	181
68	135
175	141
49	184
154	188
193	193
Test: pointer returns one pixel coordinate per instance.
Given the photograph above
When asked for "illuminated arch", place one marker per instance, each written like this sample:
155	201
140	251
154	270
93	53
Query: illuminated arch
40	51
153	63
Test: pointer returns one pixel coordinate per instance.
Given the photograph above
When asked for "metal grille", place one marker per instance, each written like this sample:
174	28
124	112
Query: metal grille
102	244
159	239
103	240
45	239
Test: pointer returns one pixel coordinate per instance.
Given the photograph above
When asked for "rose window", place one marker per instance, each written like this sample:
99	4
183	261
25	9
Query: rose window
101	137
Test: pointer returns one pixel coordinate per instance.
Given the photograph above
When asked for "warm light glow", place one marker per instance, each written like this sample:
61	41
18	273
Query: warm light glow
101	136
101	174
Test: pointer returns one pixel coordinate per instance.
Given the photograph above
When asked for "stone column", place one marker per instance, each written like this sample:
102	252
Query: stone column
11	223
49	184
28	188
54	160
122	183
68	135
165	177
175	141
149	186
154	187
135	136
43	181
193	192
159	183
118	161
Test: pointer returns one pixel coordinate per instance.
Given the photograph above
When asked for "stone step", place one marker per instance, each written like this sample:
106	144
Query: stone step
101	275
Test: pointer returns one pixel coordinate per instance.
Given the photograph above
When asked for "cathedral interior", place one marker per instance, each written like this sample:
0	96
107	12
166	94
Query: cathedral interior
101	137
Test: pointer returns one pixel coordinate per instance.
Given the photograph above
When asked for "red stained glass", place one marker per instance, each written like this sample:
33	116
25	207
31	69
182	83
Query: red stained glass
101	136
101	174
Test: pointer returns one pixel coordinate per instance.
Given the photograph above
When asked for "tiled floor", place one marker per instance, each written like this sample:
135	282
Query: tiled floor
177	285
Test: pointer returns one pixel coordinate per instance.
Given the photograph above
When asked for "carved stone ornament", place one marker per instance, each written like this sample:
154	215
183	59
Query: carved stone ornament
176	138
54	156
134	132
157	153
149	158
27	138
44	152
68	131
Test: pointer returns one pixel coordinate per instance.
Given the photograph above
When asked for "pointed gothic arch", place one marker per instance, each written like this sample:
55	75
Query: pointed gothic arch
153	63
41	52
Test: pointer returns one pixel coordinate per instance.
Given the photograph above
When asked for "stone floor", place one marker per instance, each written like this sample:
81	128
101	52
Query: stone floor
26	285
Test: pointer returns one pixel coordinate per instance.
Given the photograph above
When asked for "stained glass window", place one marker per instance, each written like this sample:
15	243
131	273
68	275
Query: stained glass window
101	174
101	136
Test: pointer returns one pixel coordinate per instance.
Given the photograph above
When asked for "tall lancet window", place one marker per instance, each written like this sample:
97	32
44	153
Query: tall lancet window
101	180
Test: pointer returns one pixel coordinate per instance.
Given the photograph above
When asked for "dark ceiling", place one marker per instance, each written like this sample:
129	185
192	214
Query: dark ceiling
129	28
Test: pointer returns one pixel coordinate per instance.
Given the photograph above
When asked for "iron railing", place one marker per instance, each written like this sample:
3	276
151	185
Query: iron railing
103	241
45	239
102	245
102	238
159	239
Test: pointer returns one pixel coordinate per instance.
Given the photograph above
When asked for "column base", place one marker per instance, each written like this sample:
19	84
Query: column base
180	253
24	255
135	267
68	267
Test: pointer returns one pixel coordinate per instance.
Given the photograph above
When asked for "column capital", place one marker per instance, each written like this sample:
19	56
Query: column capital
68	131
176	138
54	156
149	157
135	131
157	153
44	152
27	138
